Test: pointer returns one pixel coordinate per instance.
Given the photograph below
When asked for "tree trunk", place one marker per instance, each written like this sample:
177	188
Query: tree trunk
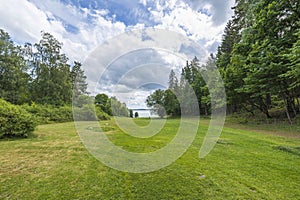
268	100
293	107
264	108
298	104
268	114
287	111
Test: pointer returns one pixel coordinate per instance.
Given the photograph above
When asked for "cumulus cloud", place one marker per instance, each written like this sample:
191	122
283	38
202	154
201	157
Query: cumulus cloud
146	57
220	10
24	21
139	60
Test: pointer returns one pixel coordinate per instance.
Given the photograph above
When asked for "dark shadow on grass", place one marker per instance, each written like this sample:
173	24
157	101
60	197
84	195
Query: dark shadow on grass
288	149
16	137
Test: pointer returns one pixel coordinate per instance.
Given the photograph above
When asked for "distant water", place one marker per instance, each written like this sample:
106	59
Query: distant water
145	114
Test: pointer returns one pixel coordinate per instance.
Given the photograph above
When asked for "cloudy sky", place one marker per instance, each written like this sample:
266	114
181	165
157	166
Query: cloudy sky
107	37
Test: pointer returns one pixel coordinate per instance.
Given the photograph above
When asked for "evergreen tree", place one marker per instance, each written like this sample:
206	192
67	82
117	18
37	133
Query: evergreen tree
136	114
131	113
78	78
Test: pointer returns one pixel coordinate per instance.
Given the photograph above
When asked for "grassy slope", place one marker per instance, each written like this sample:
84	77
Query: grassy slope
243	165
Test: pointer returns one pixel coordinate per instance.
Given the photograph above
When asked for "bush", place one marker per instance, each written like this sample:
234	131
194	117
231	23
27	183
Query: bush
61	114
101	115
46	113
84	113
89	112
15	121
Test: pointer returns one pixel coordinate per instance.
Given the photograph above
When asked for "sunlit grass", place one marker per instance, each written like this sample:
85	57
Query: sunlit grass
53	164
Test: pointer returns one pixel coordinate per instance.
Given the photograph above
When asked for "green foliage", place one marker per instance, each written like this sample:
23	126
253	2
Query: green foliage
89	112
102	115
48	113
51	82
85	113
136	114
38	73
112	106
131	113
187	96
78	78
15	121
118	108
156	102
258	57
14	79
103	101
81	100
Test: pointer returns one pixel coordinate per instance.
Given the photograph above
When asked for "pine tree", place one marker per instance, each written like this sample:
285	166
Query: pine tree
78	78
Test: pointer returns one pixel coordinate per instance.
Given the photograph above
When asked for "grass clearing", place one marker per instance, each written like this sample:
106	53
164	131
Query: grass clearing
54	164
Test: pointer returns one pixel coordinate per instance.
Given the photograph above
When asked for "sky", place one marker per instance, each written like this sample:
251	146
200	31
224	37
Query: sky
127	47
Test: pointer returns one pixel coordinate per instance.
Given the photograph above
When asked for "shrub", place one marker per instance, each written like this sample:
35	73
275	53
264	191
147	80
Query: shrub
47	113
101	115
61	114
84	113
89	112
15	121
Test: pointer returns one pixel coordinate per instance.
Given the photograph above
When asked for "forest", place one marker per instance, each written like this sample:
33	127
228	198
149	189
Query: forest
258	59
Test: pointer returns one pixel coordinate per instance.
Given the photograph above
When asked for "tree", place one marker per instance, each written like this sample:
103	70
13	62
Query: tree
103	101
111	106
276	25
118	108
171	103
293	72
173	81
13	72
131	113
79	85
156	102
136	114
191	83
257	57
180	98
50	72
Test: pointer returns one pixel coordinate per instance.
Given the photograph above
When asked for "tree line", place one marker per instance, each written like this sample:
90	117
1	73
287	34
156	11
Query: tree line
258	59
187	95
39	80
38	73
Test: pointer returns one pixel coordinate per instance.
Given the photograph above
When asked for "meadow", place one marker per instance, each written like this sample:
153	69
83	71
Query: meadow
247	163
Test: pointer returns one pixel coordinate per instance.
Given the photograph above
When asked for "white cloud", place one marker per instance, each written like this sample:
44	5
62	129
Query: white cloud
25	19
185	20
219	9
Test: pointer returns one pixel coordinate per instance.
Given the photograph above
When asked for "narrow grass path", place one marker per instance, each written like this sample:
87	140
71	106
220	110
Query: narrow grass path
54	164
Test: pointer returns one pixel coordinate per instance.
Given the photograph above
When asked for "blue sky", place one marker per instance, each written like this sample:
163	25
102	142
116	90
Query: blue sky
84	25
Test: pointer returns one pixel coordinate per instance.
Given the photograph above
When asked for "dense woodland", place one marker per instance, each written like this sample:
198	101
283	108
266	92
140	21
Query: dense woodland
259	61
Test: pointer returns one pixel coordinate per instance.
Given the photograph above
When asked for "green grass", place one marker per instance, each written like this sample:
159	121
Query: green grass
245	164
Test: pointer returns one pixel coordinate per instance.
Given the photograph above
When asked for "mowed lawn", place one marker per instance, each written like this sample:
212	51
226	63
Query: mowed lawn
245	164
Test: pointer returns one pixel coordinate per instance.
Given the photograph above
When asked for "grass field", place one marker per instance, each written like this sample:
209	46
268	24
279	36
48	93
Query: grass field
246	163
